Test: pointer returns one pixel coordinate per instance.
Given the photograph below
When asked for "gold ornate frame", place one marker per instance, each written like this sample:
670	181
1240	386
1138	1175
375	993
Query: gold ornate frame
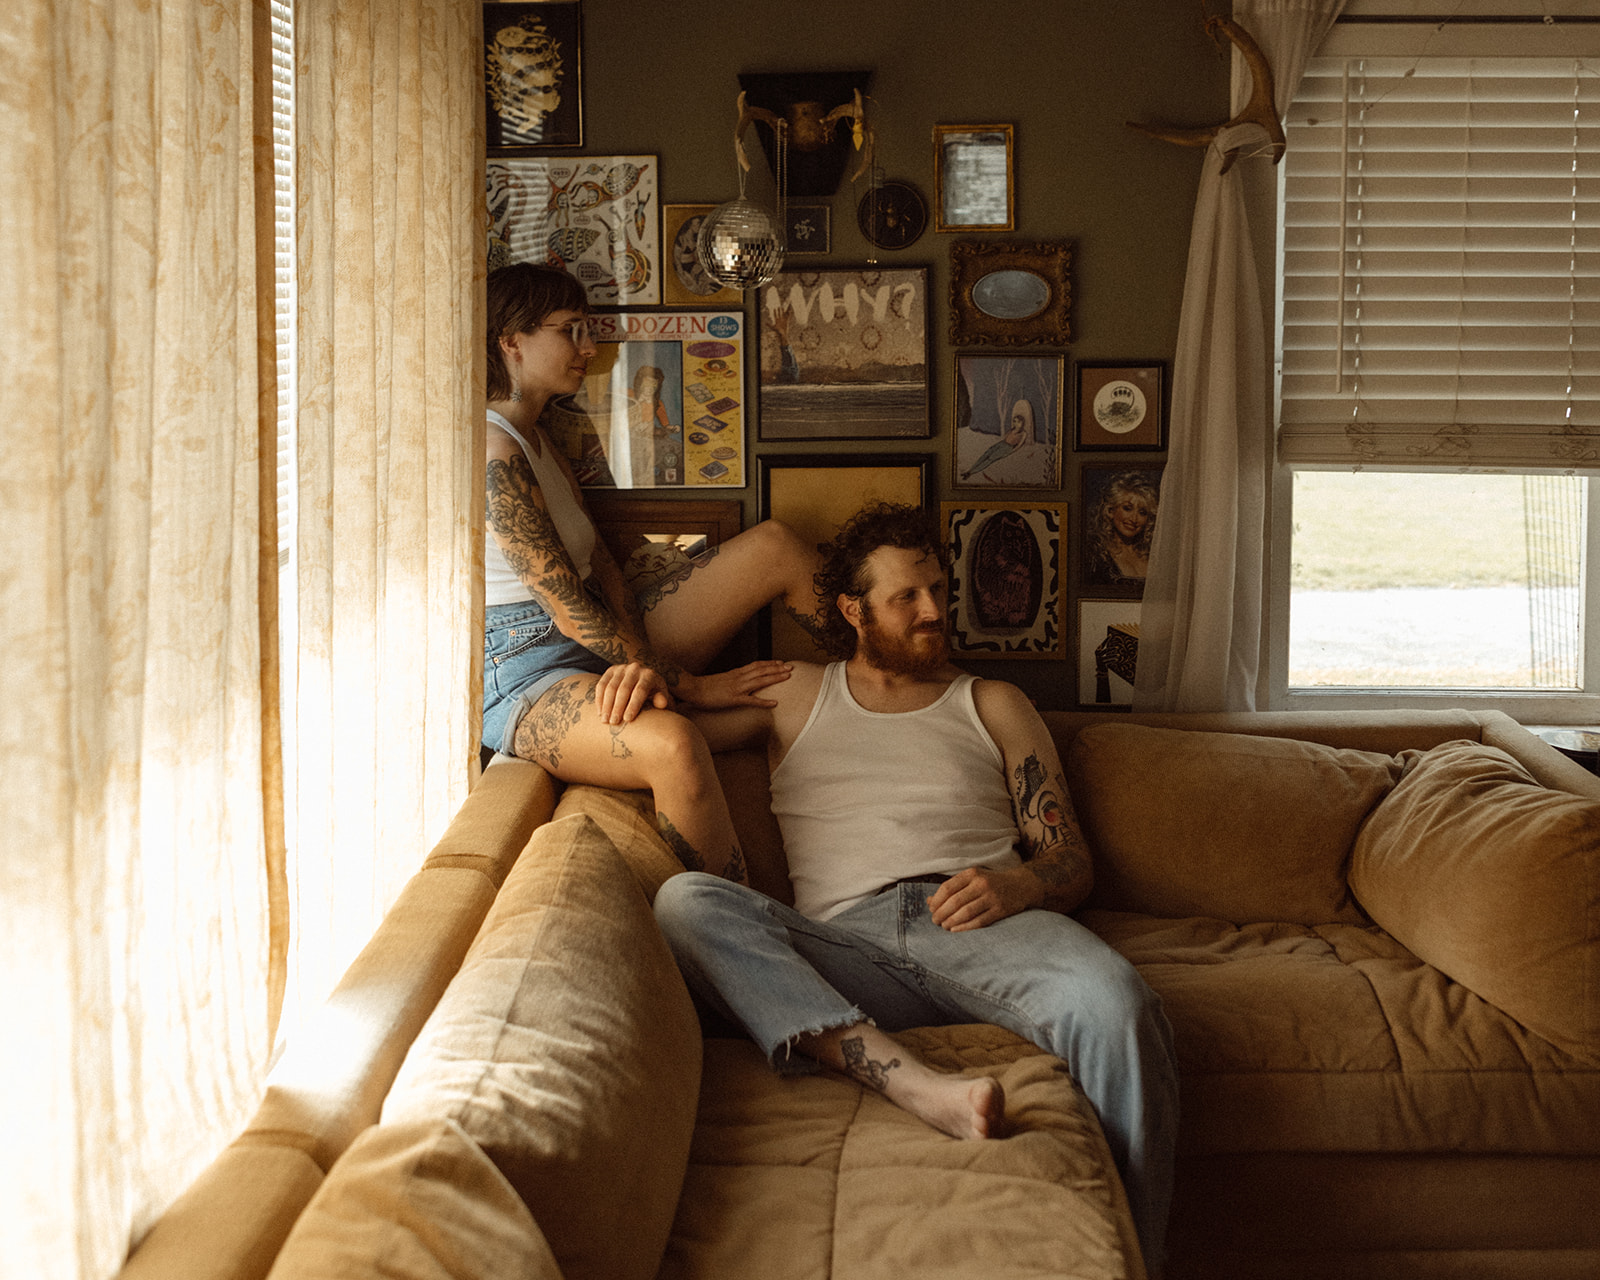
971	261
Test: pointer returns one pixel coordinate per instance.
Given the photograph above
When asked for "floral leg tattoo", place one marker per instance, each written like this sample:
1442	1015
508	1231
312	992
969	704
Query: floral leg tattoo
652	595
867	1070
542	732
809	623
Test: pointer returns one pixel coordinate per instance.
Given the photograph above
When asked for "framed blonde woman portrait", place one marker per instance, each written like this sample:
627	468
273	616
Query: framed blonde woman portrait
1119	509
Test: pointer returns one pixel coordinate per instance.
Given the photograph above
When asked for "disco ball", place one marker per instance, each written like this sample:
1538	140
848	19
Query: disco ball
740	245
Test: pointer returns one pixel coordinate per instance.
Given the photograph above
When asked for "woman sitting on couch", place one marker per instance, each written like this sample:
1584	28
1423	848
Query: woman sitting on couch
578	675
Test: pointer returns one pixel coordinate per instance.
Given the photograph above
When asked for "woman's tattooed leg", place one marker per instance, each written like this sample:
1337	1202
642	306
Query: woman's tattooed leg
542	731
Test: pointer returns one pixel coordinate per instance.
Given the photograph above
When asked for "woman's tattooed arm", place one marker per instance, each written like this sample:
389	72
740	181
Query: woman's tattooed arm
532	545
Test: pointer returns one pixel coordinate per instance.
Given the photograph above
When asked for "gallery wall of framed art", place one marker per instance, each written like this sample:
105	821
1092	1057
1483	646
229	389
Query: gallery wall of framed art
1007	344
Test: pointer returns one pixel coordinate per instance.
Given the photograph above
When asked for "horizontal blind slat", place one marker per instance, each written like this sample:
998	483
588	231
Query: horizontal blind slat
1470	301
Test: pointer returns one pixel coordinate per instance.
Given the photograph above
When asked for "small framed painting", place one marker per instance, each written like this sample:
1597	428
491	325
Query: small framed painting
1120	405
972	178
684	282
653	540
814	494
692	525
844	354
532	75
1119	509
1008	422
807	228
594	216
1108	651
1006	591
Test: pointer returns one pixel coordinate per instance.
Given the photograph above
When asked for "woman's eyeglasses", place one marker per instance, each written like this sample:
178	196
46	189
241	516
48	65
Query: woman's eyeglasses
577	330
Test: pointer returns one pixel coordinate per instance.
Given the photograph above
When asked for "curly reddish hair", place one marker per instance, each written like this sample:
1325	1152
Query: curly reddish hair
844	562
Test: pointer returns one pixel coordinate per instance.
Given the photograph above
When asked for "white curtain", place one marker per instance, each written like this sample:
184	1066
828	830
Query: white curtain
145	923
391	261
1200	634
133	870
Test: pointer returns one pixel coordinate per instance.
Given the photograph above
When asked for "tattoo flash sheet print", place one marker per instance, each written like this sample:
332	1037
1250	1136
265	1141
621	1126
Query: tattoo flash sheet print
594	216
662	405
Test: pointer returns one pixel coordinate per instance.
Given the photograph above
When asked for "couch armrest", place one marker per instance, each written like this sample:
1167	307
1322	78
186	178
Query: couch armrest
330	1084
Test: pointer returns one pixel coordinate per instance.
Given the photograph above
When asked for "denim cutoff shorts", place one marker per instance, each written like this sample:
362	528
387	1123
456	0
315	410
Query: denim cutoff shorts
524	653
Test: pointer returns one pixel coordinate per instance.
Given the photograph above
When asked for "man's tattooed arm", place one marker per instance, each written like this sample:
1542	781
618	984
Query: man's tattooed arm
1051	844
532	545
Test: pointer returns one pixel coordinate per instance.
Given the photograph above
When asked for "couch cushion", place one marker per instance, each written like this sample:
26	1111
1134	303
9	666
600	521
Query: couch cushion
415	1202
1335	1038
567	1048
1494	879
629	818
1232	826
815	1176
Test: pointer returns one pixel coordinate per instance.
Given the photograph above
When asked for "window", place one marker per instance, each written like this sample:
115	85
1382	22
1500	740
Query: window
284	303
1440	367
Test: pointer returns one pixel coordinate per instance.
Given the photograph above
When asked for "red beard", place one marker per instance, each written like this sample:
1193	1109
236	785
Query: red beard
921	652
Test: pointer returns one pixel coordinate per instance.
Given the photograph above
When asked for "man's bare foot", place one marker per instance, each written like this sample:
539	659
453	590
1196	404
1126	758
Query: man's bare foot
957	1105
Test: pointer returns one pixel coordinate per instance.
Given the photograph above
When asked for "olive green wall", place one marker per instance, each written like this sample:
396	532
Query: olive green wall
660	77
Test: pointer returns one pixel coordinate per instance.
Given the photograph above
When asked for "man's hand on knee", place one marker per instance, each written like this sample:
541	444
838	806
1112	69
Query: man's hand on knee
980	896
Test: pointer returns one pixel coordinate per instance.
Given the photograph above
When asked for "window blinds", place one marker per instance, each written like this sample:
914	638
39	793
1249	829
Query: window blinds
1441	264
283	254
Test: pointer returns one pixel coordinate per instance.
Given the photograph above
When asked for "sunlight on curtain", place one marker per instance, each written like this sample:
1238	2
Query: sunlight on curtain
1200	627
133	951
391	254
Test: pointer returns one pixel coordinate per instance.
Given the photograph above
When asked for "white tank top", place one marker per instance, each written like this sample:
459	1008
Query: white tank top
865	798
500	582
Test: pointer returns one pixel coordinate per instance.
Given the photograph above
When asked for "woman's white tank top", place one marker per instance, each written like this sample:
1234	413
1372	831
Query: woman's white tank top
865	798
500	582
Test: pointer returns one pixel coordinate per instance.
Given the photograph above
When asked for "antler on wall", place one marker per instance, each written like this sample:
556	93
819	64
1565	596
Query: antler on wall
1260	110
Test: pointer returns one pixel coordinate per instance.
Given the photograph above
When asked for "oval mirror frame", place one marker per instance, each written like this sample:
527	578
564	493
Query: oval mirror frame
1011	293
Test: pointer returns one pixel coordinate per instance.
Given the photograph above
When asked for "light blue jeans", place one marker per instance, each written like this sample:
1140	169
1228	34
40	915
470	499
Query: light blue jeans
1038	973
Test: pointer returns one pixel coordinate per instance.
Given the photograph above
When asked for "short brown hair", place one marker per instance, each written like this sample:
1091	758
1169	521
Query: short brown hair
844	562
520	297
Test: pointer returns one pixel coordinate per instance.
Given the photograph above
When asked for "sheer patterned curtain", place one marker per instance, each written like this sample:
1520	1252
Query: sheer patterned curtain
133	869
391	260
1200	629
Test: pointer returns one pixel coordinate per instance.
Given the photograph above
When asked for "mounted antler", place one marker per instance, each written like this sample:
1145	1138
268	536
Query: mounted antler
1260	110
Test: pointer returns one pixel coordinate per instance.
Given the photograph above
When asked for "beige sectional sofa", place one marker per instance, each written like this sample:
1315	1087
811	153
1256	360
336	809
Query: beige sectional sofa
1377	937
